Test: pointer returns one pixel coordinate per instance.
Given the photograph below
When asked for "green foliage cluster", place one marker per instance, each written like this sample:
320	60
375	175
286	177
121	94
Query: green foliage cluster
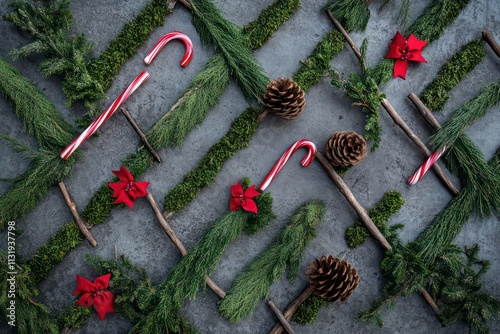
254	282
390	204
30	316
74	316
308	310
200	96
50	24
239	135
229	41
428	26
124	46
318	63
435	94
270	19
189	274
352	14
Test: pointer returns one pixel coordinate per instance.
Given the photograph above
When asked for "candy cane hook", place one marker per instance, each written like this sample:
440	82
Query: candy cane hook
105	115
188	55
286	156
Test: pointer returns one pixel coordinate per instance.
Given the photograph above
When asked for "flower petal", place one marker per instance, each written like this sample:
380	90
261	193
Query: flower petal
237	189
140	189
416	56
117	187
85	300
103	303
399	40
394	51
415	44
83	285
102	282
400	68
249	205
234	204
124	175
124	198
251	192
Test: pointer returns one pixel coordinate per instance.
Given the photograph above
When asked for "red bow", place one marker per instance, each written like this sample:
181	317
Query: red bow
404	51
243	199
127	191
93	293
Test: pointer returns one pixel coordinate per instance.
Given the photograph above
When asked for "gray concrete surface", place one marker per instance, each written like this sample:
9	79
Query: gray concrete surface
137	234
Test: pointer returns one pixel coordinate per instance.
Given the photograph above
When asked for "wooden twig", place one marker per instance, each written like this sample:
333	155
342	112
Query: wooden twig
177	242
488	38
171	4
116	253
82	225
280	317
186	4
424	111
420	144
348	38
291	309
141	134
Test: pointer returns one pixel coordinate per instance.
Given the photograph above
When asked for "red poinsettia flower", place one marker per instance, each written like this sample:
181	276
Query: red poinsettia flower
94	294
243	199
404	51
127	191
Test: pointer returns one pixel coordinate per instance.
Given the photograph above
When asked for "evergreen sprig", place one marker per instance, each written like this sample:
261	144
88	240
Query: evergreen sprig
352	14
30	316
435	94
186	278
308	310
254	282
390	204
229	41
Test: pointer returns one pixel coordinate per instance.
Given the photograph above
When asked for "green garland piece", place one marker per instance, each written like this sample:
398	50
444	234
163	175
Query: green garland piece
124	46
390	204
244	127
186	278
352	14
41	119
254	283
428	26
435	95
74	316
99	207
229	41
308	310
30	316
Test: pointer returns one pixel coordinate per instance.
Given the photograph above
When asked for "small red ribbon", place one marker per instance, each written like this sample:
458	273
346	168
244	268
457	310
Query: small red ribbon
243	199
93	294
127	191
404	51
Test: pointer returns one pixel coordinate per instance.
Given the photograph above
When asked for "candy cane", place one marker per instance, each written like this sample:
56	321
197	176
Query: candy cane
188	54
284	158
426	166
143	76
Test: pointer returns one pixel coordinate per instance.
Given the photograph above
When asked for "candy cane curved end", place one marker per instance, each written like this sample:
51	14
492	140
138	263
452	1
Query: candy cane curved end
188	54
306	161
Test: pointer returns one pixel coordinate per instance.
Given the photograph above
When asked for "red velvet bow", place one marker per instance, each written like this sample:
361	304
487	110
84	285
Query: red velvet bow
127	191
404	51
93	293
243	199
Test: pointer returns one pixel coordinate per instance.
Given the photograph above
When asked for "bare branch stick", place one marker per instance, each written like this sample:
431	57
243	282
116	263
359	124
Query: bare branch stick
141	134
424	111
280	317
82	225
177	242
186	4
488	38
291	309
399	122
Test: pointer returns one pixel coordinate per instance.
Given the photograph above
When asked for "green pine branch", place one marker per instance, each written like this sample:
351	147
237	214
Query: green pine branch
352	14
188	276
254	282
435	94
229	41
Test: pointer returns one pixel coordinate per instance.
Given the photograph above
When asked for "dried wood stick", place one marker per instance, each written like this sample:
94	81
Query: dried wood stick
424	111
177	242
280	317
82	225
186	4
420	144
488	38
291	309
141	134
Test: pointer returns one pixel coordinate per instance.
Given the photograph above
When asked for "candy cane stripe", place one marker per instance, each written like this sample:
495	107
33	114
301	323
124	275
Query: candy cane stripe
188	54
417	176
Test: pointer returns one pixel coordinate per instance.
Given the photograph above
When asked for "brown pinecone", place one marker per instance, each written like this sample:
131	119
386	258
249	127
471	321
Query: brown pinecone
345	148
284	98
332	279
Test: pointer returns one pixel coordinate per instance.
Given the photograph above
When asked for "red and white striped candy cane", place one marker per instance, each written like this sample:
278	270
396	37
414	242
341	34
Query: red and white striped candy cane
426	166
188	55
143	76
284	158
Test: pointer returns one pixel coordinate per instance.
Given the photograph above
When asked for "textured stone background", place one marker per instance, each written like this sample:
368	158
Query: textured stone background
136	232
